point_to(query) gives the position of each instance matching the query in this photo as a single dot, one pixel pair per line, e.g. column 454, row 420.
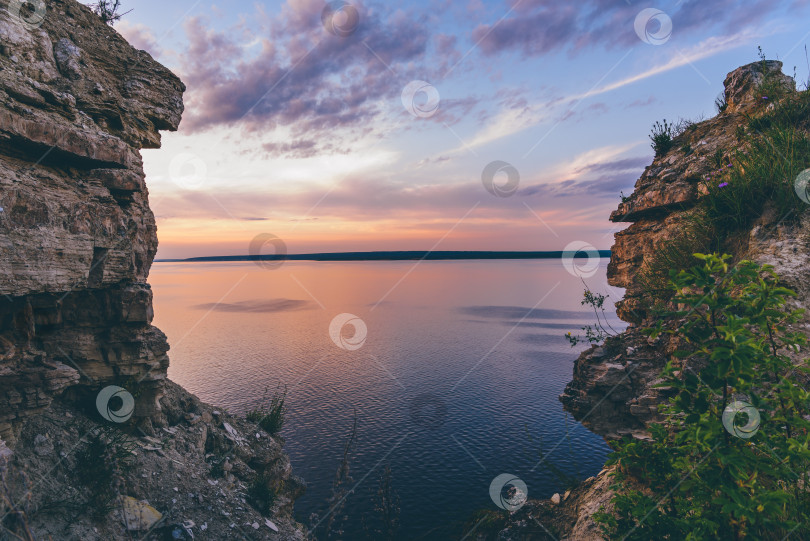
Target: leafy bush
column 270, row 416
column 700, row 481
column 661, row 136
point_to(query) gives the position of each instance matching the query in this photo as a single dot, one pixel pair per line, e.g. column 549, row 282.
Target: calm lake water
column 456, row 383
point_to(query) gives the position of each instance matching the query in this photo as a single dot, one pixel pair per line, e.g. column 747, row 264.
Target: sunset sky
column 303, row 133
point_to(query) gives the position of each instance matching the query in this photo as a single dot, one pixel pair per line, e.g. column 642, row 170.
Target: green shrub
column 695, row 479
column 270, row 415
column 661, row 138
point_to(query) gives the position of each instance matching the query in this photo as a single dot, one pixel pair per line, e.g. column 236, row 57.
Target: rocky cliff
column 77, row 239
column 612, row 390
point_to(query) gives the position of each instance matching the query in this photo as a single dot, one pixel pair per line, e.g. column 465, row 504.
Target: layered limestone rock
column 613, row 390
column 77, row 237
column 671, row 184
column 613, row 387
column 77, row 240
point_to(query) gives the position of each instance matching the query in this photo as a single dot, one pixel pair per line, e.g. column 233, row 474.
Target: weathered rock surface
column 613, row 390
column 77, row 240
column 77, row 237
column 189, row 470
column 568, row 517
column 613, row 393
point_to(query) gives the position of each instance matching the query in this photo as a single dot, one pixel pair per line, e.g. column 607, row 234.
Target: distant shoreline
column 383, row 256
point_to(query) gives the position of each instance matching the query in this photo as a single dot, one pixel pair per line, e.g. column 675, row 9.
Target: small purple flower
column 729, row 165
column 764, row 97
column 722, row 185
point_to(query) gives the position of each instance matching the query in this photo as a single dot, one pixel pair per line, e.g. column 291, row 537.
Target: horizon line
column 390, row 255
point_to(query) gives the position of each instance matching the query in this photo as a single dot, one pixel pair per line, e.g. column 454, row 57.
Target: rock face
column 77, row 237
column 77, row 240
column 612, row 390
column 199, row 470
column 670, row 185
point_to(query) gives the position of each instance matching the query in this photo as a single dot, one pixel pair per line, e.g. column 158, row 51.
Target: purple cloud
column 305, row 78
column 537, row 27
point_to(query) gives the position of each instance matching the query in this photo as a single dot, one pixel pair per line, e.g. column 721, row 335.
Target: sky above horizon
column 470, row 125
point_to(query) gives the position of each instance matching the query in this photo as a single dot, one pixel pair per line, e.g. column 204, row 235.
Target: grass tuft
column 270, row 415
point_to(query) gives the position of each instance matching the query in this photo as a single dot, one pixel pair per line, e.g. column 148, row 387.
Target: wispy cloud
column 258, row 306
column 511, row 121
column 709, row 47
